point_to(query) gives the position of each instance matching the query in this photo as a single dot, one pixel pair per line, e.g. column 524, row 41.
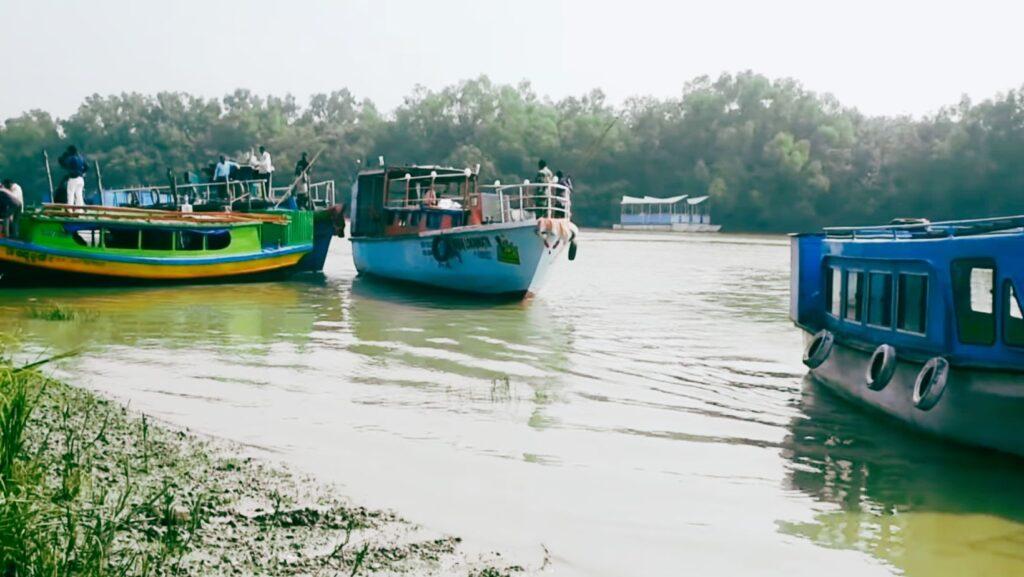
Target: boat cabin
column 951, row 289
column 139, row 232
column 650, row 210
column 411, row 200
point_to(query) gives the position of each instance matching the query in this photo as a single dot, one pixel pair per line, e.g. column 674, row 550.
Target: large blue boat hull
column 980, row 407
column 487, row 259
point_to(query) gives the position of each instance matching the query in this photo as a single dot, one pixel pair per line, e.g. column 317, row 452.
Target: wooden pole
column 99, row 179
column 49, row 175
column 295, row 182
column 174, row 185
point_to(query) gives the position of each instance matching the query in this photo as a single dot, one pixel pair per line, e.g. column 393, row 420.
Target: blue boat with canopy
column 919, row 320
column 437, row 226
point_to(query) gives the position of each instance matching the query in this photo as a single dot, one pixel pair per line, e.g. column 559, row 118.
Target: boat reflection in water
column 433, row 341
column 923, row 506
column 206, row 318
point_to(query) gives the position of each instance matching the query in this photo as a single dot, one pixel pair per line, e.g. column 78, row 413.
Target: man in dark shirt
column 74, row 164
column 302, row 187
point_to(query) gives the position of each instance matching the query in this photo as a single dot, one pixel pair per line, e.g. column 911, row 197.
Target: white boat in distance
column 681, row 213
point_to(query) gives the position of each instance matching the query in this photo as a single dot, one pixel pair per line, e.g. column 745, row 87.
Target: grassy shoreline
column 89, row 488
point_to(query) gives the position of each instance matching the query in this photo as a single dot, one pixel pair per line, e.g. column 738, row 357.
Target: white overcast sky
column 884, row 57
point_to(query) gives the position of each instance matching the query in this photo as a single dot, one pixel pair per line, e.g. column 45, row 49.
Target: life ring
column 442, row 249
column 818, row 349
column 881, row 367
column 931, row 383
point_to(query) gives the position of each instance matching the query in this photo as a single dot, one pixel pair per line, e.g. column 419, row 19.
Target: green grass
column 56, row 517
column 59, row 312
column 87, row 489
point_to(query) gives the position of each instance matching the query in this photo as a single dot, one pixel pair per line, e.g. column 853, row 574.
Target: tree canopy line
column 773, row 155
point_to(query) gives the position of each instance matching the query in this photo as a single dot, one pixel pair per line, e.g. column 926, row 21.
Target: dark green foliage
column 773, row 155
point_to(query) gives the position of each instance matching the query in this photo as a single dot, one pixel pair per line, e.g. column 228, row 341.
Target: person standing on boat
column 302, row 187
column 562, row 196
column 264, row 168
column 74, row 164
column 544, row 176
column 222, row 172
column 12, row 202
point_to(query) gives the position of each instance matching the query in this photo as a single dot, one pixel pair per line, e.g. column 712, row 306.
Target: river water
column 646, row 414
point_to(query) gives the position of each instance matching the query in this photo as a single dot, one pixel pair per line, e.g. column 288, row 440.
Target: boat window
column 1013, row 320
column 912, row 303
column 854, row 296
column 87, row 237
column 218, row 240
column 834, row 291
column 189, row 240
column 433, row 220
column 880, row 299
column 155, row 239
column 974, row 301
column 121, row 238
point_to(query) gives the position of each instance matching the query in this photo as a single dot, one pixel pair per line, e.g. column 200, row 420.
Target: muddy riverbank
column 96, row 488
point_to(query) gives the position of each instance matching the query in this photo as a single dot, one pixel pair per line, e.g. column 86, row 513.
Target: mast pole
column 99, row 179
column 49, row 175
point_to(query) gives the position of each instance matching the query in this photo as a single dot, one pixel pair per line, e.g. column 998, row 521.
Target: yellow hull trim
column 31, row 258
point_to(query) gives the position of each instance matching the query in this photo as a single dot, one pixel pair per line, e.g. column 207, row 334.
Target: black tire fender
column 819, row 348
column 881, row 367
column 931, row 383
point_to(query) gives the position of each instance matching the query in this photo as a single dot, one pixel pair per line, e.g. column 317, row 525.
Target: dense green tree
column 773, row 155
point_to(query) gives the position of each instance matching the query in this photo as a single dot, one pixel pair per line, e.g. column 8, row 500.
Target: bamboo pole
column 99, row 179
column 299, row 177
column 49, row 175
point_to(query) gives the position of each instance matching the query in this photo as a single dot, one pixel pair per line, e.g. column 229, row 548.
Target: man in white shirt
column 264, row 167
column 222, row 172
column 12, row 202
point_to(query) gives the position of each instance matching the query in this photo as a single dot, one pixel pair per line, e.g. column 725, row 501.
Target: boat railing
column 322, row 194
column 926, row 229
column 526, row 201
column 197, row 193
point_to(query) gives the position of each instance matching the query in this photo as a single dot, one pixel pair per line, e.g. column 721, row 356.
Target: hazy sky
column 885, row 57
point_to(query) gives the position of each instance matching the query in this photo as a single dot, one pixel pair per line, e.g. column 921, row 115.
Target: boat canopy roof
column 419, row 171
column 696, row 200
column 922, row 228
column 653, row 199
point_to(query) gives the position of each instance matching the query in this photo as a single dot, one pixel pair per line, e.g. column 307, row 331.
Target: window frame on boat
column 962, row 307
column 871, row 274
column 861, row 275
column 1011, row 295
column 176, row 243
column 899, row 301
column 834, row 300
column 867, row 271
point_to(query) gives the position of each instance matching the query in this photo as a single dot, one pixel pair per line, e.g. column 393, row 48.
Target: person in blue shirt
column 75, row 166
